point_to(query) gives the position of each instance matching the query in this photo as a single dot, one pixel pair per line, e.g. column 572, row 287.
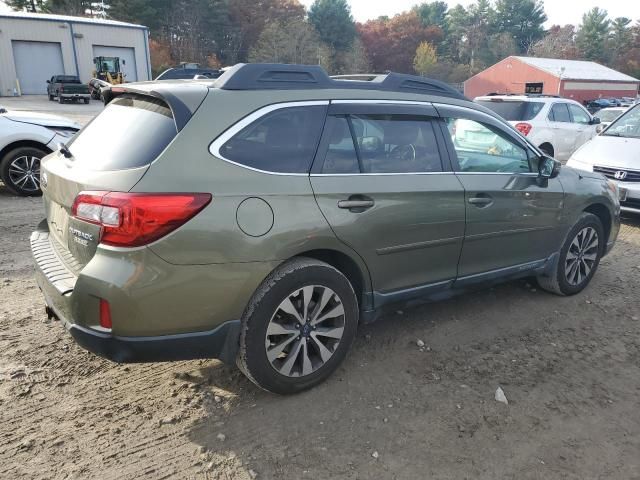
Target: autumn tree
column 333, row 21
column 559, row 42
column 292, row 42
column 426, row 58
column 391, row 43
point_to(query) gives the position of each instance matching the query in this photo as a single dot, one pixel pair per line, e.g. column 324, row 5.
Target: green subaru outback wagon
column 260, row 217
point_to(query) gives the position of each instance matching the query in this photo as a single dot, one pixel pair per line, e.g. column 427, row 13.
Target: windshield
column 627, row 125
column 130, row 132
column 609, row 115
column 513, row 111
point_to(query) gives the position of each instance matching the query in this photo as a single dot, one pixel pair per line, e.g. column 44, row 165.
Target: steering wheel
column 403, row 153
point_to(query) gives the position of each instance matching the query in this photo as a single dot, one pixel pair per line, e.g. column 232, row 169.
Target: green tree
column 426, row 58
column 28, row 5
column 593, row 35
column 434, row 13
column 621, row 35
column 522, row 19
column 333, row 21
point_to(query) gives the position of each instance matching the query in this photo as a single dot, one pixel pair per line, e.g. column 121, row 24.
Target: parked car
column 595, row 105
column 615, row 153
column 267, row 234
column 608, row 115
column 67, row 87
column 557, row 126
column 25, row 138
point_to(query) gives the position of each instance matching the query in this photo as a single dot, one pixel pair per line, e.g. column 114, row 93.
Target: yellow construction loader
column 106, row 72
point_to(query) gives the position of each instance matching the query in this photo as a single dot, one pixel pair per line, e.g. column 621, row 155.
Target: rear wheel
column 86, row 101
column 20, row 170
column 60, row 99
column 298, row 326
column 51, row 98
column 579, row 258
column 547, row 148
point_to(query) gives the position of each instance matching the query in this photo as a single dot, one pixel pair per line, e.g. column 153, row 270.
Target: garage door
column 36, row 62
column 128, row 66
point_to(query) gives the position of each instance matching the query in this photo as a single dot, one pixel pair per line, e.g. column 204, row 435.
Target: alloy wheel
column 24, row 173
column 581, row 256
column 305, row 331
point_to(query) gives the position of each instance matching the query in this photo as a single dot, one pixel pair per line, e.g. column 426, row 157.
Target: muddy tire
column 298, row 327
column 579, row 258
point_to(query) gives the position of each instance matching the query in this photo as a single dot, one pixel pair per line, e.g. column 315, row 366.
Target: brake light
column 524, row 128
column 136, row 219
column 61, row 88
column 105, row 314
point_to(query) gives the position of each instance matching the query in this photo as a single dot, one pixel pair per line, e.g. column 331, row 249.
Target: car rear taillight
column 105, row 314
column 524, row 128
column 61, row 88
column 136, row 219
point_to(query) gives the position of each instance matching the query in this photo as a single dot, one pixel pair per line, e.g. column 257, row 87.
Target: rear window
column 68, row 79
column 513, row 111
column 130, row 132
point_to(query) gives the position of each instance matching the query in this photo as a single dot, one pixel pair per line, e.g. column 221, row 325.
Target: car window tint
column 579, row 115
column 513, row 111
column 396, row 144
column 482, row 148
column 341, row 154
column 560, row 113
column 283, row 141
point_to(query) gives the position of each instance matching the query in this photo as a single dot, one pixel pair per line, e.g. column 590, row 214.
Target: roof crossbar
column 273, row 76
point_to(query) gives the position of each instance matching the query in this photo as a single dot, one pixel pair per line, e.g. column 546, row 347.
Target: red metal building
column 574, row 79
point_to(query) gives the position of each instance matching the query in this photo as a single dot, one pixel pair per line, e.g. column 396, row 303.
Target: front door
column 512, row 218
column 382, row 185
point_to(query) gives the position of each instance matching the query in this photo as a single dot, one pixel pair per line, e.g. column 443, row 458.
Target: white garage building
column 34, row 47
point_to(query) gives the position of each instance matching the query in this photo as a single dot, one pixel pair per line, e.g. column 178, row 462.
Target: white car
column 558, row 126
column 615, row 153
column 26, row 137
column 608, row 115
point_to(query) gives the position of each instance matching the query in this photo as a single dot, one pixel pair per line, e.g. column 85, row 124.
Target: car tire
column 286, row 352
column 86, row 101
column 60, row 99
column 579, row 258
column 547, row 149
column 51, row 97
column 11, row 165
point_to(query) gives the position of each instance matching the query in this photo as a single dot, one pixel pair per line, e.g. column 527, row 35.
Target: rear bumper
column 74, row 95
column 221, row 343
column 155, row 318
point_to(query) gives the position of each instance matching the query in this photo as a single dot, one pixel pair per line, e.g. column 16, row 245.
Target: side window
column 396, row 144
column 579, row 115
column 560, row 113
column 341, row 154
column 482, row 148
column 282, row 141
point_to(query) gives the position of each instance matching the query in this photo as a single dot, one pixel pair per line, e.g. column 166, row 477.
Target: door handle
column 481, row 201
column 356, row 203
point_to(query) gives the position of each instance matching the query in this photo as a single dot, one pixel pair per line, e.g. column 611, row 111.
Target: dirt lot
column 570, row 368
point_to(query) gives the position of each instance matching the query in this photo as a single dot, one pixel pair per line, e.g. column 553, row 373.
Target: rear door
column 381, row 182
column 111, row 153
column 564, row 131
column 512, row 220
column 581, row 120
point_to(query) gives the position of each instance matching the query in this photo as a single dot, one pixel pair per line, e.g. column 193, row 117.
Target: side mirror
column 548, row 167
column 48, row 81
column 596, row 121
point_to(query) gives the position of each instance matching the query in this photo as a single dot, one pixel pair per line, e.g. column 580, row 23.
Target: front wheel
column 20, row 170
column 298, row 327
column 579, row 257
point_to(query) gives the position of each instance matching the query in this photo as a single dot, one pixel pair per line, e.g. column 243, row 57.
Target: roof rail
column 273, row 76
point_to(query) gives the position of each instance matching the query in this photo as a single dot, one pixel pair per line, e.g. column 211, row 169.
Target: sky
column 559, row 11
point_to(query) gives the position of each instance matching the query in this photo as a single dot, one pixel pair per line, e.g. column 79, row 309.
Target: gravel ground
column 569, row 367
